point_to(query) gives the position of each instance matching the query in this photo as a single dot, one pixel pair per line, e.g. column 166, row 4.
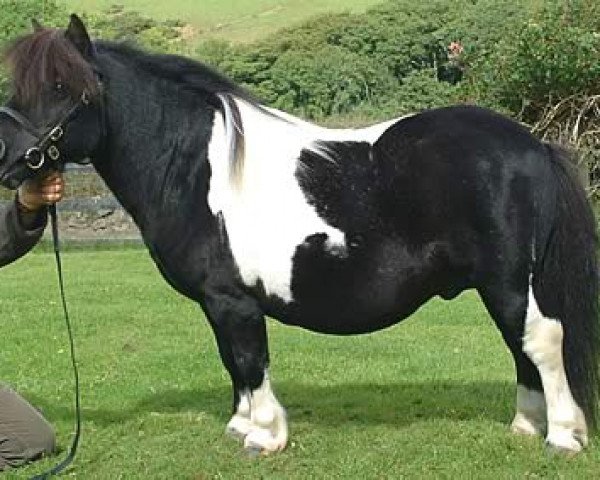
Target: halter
column 35, row 156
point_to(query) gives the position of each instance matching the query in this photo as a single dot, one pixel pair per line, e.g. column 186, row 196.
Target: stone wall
column 89, row 212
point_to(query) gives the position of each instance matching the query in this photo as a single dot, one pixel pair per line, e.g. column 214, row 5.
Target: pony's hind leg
column 508, row 311
column 543, row 343
column 258, row 418
column 545, row 404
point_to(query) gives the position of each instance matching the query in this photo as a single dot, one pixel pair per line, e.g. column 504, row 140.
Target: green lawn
column 430, row 398
column 236, row 20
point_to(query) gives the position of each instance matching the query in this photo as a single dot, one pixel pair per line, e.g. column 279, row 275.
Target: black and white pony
column 252, row 212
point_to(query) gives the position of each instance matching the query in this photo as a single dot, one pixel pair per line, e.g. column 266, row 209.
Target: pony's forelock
column 43, row 58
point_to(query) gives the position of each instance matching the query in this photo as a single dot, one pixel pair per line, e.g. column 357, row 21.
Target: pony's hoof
column 560, row 451
column 253, row 451
column 524, row 430
column 263, row 440
column 527, row 427
column 238, row 427
column 564, row 443
column 235, row 434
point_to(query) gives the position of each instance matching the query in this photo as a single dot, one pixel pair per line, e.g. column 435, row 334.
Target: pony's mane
column 45, row 56
column 193, row 75
column 183, row 71
column 39, row 60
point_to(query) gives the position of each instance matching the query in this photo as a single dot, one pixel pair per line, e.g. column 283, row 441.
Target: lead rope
column 69, row 458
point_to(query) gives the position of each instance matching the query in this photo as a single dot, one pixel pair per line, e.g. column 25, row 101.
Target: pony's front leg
column 258, row 418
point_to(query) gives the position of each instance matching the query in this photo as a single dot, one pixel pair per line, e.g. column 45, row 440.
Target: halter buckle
column 35, row 158
column 56, row 133
column 53, row 152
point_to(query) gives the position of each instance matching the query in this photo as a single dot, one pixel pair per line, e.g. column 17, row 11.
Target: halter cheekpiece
column 46, row 145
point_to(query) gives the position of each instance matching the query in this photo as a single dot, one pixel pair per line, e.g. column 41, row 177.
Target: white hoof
column 263, row 441
column 259, row 421
column 566, row 440
column 521, row 425
column 238, row 427
column 530, row 417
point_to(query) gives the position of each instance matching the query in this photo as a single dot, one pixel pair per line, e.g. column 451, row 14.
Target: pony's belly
column 364, row 289
column 350, row 312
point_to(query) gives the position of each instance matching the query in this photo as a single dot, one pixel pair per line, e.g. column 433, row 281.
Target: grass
column 235, row 20
column 430, row 398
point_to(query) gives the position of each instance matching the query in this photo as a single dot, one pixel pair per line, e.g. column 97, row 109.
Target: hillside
column 235, row 20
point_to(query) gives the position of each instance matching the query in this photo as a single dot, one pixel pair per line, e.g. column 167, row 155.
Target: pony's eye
column 58, row 87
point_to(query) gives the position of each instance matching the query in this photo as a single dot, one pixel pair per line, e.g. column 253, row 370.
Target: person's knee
column 24, row 433
column 17, row 449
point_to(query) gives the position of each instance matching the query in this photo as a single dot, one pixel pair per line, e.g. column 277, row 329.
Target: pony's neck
column 154, row 158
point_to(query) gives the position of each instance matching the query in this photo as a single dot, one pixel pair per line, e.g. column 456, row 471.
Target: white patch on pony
column 530, row 417
column 240, row 424
column 260, row 420
column 267, row 215
column 543, row 342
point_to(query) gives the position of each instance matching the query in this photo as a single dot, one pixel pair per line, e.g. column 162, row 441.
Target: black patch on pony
column 345, row 179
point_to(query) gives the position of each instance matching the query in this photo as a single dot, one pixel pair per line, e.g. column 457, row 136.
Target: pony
column 249, row 211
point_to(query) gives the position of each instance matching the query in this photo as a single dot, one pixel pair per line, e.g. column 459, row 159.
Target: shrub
column 16, row 20
column 115, row 23
column 324, row 82
column 334, row 64
column 552, row 56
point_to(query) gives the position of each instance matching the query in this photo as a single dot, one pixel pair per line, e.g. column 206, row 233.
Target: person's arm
column 23, row 221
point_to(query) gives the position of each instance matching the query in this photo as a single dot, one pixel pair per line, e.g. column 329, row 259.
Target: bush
column 115, row 23
column 16, row 20
column 421, row 90
column 334, row 64
column 553, row 55
column 324, row 82
column 17, row 14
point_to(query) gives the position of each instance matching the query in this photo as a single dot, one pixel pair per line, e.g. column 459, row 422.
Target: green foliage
column 17, row 15
column 335, row 64
column 421, row 89
column 552, row 55
column 325, row 81
column 482, row 24
column 15, row 20
column 116, row 23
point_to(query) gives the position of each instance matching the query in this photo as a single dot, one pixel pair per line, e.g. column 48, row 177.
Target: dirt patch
column 188, row 33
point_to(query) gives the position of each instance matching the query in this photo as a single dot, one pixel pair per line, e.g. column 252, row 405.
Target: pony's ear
column 77, row 34
column 37, row 26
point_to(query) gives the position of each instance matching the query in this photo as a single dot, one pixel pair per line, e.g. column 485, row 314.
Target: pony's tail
column 566, row 279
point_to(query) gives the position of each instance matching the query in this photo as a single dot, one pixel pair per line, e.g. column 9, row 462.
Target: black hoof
column 253, row 451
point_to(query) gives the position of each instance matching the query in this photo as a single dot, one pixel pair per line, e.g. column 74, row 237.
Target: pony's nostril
column 2, row 149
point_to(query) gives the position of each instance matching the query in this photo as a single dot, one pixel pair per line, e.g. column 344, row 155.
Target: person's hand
column 34, row 193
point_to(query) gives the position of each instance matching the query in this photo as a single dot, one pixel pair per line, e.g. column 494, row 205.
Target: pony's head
column 54, row 114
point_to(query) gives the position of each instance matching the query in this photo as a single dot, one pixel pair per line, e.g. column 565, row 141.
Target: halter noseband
column 35, row 156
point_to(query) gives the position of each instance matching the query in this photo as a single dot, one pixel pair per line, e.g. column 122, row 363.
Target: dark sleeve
column 19, row 231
